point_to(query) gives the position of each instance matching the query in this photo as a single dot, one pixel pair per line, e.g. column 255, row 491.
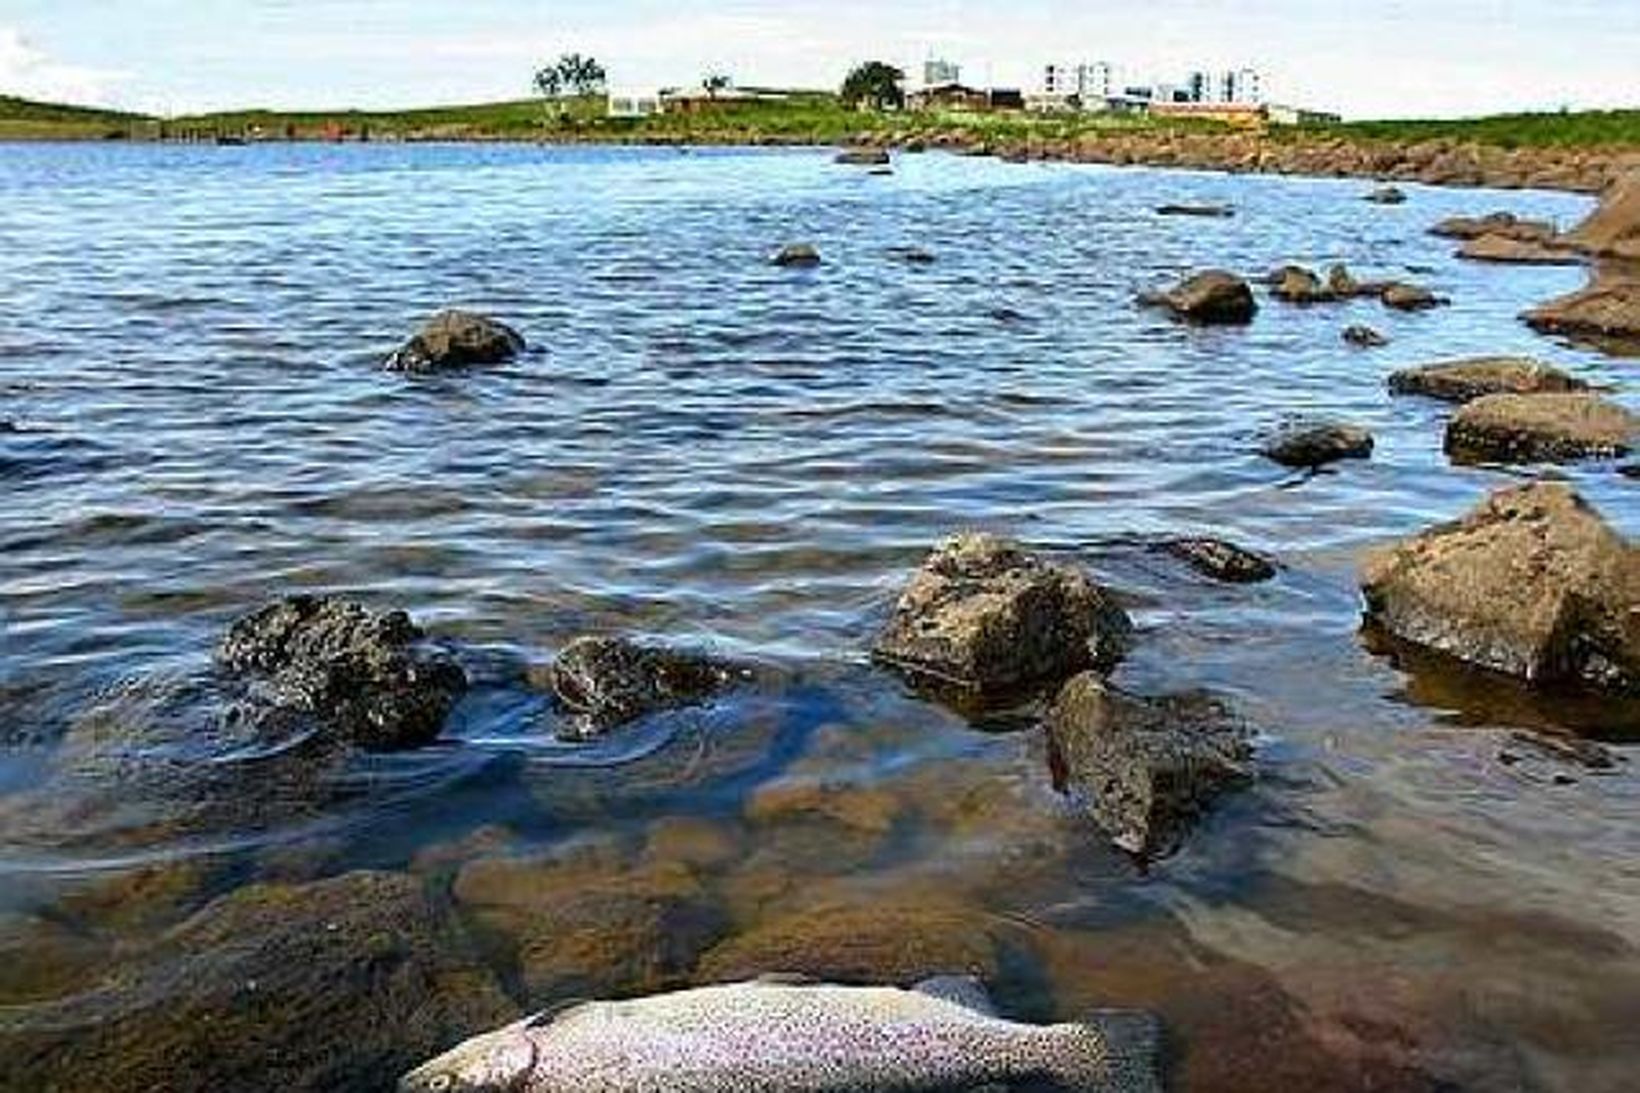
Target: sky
column 1387, row 58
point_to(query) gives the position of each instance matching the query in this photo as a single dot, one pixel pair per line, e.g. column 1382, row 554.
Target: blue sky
column 1385, row 58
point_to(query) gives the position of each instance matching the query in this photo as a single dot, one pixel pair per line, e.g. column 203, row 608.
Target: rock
column 1521, row 252
column 1630, row 470
column 1608, row 308
column 1145, row 768
column 1613, row 229
column 1213, row 297
column 1342, row 284
column 1405, row 297
column 1218, row 211
column 1386, row 195
column 365, row 675
column 985, row 615
column 607, row 682
column 915, row 256
column 1312, row 444
column 456, row 339
column 1364, row 337
column 1532, row 583
column 1221, row 560
column 1502, row 224
column 1587, row 754
column 338, row 984
column 796, row 255
column 862, row 157
column 880, row 172
column 1300, row 286
column 1463, row 380
column 1510, row 428
column 589, row 925
column 881, row 941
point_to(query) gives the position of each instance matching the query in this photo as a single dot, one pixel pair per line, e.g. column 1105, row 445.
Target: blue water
column 708, row 450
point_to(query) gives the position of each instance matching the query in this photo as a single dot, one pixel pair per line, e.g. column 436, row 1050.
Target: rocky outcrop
column 1364, row 337
column 338, row 984
column 456, row 339
column 1503, row 225
column 1213, row 297
column 1387, row 195
column 1210, row 211
column 1464, row 380
column 1406, row 297
column 1520, row 252
column 1145, row 769
column 1221, row 560
column 1315, row 443
column 1557, row 428
column 985, row 615
column 1533, row 584
column 366, row 676
column 796, row 255
column 1613, row 229
column 607, row 681
column 1606, row 310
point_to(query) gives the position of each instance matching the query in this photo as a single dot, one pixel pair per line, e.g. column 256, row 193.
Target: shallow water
column 714, row 452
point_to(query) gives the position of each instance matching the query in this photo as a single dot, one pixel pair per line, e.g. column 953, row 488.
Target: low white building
column 635, row 104
column 1086, row 85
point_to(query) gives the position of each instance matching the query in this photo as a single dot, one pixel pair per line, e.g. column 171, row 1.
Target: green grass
column 25, row 119
column 1584, row 129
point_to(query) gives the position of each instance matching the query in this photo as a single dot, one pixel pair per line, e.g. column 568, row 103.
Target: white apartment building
column 1090, row 83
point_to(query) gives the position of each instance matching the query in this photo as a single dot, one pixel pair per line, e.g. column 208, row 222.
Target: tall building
column 938, row 71
column 1091, row 82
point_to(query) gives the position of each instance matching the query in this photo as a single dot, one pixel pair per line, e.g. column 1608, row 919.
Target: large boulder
column 608, row 681
column 1463, row 380
column 1613, row 229
column 367, row 676
column 1512, row 428
column 1305, row 444
column 1144, row 768
column 1213, row 297
column 339, row 984
column 1532, row 583
column 1503, row 225
column 1606, row 309
column 456, row 339
column 988, row 616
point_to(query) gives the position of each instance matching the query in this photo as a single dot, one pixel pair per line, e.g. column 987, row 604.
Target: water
column 707, row 450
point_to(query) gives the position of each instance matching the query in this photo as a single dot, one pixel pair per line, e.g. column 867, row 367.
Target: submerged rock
column 1387, row 195
column 365, row 675
column 862, row 157
column 1221, row 560
column 986, row 615
column 1532, row 583
column 1315, row 443
column 1405, row 297
column 798, row 255
column 456, row 339
column 608, row 681
column 1211, row 211
column 331, row 985
column 1463, row 380
column 1503, row 225
column 1213, row 297
column 1145, row 768
column 1510, row 428
column 1521, row 252
column 915, row 256
column 1364, row 337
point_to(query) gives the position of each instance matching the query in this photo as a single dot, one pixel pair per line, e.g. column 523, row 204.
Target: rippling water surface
column 707, row 450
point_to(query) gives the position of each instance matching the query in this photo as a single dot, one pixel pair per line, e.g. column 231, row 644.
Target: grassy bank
column 811, row 116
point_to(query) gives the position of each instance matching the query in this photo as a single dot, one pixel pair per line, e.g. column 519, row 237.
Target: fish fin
column 964, row 990
column 786, row 979
column 1132, row 1050
column 543, row 1018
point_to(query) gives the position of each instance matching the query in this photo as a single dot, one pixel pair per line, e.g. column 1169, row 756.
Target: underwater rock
column 1210, row 211
column 1472, row 378
column 1145, row 768
column 608, row 681
column 1221, row 560
column 1547, row 428
column 1532, row 583
column 364, row 674
column 456, row 339
column 984, row 614
column 1213, row 297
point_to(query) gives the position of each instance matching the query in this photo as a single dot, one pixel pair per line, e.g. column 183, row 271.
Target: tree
column 571, row 74
column 714, row 82
column 874, row 84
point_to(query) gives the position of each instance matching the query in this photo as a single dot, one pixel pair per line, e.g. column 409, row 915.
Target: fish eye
column 440, row 1083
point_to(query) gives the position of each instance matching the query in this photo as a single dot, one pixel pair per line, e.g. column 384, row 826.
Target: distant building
column 635, row 104
column 701, row 100
column 938, row 71
column 1084, row 86
column 948, row 96
column 1294, row 115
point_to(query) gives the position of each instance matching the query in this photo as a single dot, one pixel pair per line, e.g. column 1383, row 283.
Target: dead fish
column 781, row 1036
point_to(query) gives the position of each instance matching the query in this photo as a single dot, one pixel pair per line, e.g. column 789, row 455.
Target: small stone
column 456, row 339
column 1312, row 444
column 796, row 255
column 1300, row 286
column 1475, row 377
column 862, row 157
column 608, row 682
column 915, row 256
column 1387, row 195
column 1404, row 297
column 1364, row 337
column 1541, row 428
column 1209, row 211
column 1213, row 297
column 1221, row 560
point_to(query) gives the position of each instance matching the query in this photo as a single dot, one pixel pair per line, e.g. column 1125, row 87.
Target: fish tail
column 1112, row 1051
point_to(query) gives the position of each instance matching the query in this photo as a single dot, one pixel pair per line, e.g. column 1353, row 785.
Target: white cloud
column 28, row 72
